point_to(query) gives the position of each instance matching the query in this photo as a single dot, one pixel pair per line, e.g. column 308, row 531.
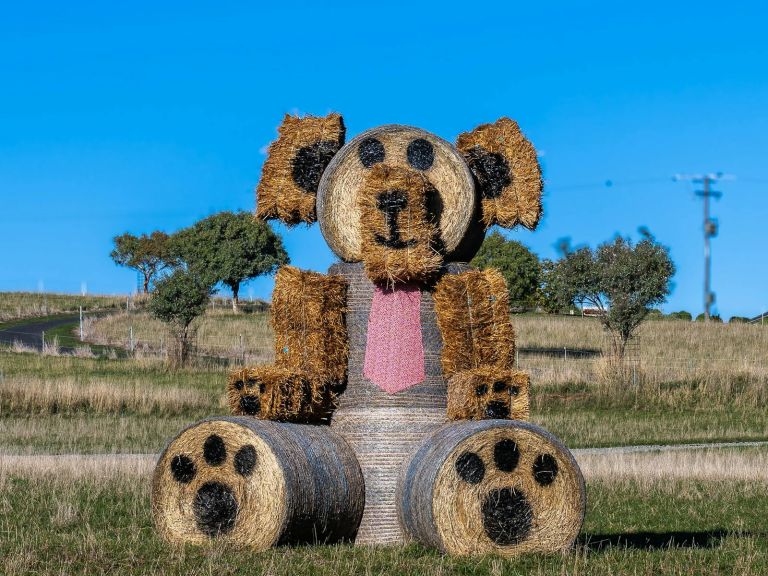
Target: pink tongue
column 394, row 354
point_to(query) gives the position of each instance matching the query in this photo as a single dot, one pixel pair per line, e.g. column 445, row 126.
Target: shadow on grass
column 572, row 353
column 654, row 540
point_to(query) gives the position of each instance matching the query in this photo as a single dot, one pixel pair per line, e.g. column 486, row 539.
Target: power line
column 710, row 226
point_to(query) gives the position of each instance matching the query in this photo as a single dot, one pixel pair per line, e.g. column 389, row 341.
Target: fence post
column 565, row 353
column 81, row 323
column 130, row 341
column 43, row 338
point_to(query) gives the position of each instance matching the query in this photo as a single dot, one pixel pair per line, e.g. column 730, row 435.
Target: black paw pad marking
column 470, row 468
column 183, row 469
column 245, row 460
column 506, row 455
column 545, row 469
column 215, row 508
column 491, row 171
column 420, row 154
column 371, row 152
column 214, row 451
column 310, row 162
column 250, row 405
column 507, row 514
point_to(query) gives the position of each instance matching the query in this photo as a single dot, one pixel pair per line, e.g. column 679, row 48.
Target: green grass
column 88, row 526
column 16, row 305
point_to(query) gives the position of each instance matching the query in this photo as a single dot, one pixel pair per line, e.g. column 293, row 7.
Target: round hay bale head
column 412, row 148
column 492, row 486
column 257, row 484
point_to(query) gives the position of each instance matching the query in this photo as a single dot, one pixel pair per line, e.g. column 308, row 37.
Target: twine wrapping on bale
column 257, row 484
column 492, row 486
column 338, row 208
column 384, row 428
column 294, row 165
column 273, row 393
column 488, row 392
column 507, row 173
column 473, row 315
column 308, row 318
column 398, row 234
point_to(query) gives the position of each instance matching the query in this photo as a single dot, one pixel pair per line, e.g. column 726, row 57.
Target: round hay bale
column 492, row 486
column 383, row 429
column 257, row 484
column 338, row 208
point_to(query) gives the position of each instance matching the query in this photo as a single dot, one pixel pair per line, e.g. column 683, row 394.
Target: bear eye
column 514, row 391
column 262, row 388
column 499, row 386
column 420, row 154
column 370, row 151
column 239, row 385
column 481, row 390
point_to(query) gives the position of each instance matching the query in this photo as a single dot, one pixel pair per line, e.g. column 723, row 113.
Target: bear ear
column 507, row 174
column 294, row 165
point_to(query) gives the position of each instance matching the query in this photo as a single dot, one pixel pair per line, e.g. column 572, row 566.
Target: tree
column 177, row 300
column 149, row 254
column 622, row 280
column 230, row 248
column 519, row 266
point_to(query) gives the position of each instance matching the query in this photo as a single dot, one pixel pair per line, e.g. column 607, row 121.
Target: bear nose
column 391, row 202
column 215, row 509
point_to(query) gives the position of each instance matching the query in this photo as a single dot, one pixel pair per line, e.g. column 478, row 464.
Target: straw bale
column 473, row 316
column 488, row 392
column 339, row 205
column 493, row 486
column 256, row 484
column 295, row 162
column 398, row 234
column 274, row 393
column 308, row 318
column 507, row 173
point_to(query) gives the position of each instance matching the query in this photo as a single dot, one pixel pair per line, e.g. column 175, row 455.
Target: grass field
column 15, row 305
column 95, row 519
column 659, row 513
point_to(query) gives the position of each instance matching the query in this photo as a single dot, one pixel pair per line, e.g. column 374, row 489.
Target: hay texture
column 473, row 316
column 339, row 202
column 488, row 392
column 308, row 318
column 295, row 162
column 257, row 484
column 273, row 393
column 507, row 173
column 493, row 486
column 398, row 234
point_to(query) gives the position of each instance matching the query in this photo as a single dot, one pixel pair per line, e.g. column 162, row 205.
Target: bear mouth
column 497, row 409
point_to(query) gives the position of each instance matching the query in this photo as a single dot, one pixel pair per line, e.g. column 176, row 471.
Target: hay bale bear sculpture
column 405, row 350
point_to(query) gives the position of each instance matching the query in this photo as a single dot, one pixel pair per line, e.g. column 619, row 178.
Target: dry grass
column 32, row 395
column 244, row 337
column 16, row 305
column 717, row 355
column 748, row 464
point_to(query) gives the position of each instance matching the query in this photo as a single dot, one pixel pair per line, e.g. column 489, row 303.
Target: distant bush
column 655, row 314
column 681, row 315
column 738, row 320
column 713, row 318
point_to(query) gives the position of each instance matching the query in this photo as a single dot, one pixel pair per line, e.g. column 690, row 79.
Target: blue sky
column 132, row 117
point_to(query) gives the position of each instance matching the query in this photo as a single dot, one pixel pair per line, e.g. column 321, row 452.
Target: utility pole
column 710, row 227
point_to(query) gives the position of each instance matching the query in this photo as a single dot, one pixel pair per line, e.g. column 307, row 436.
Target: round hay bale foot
column 492, row 486
column 257, row 484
